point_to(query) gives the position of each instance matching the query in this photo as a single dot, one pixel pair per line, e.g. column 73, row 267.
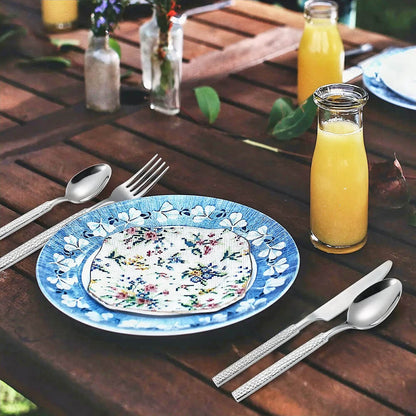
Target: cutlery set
column 135, row 187
column 369, row 301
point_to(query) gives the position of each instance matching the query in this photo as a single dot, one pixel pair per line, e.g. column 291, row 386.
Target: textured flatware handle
column 26, row 218
column 279, row 367
column 35, row 243
column 255, row 355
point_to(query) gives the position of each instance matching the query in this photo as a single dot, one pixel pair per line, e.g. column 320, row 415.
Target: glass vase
column 149, row 35
column 102, row 75
column 165, row 70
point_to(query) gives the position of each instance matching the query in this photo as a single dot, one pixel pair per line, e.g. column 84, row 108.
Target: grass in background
column 13, row 403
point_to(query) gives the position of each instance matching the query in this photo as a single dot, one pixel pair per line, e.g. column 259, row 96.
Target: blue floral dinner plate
column 373, row 81
column 63, row 260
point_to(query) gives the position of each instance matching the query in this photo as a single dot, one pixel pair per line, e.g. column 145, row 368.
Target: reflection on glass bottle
column 149, row 35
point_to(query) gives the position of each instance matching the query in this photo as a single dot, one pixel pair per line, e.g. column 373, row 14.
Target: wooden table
column 47, row 136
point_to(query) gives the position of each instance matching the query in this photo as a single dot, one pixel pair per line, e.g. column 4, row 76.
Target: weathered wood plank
column 243, row 54
column 61, row 124
column 57, row 86
column 23, row 105
column 6, row 123
column 231, row 22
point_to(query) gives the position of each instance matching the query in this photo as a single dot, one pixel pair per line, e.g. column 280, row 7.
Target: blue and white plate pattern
column 62, row 260
column 374, row 83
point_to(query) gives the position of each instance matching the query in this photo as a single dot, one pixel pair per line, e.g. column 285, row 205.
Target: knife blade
column 326, row 312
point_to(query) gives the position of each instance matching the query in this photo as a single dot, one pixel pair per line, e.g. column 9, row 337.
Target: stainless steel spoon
column 84, row 186
column 368, row 309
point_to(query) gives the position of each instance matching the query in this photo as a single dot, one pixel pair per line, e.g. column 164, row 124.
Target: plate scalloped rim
column 373, row 82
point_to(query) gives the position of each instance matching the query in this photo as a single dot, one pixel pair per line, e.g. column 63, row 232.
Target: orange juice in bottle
column 58, row 15
column 339, row 172
column 321, row 51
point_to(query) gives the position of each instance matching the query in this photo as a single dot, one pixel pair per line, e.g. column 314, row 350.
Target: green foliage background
column 391, row 17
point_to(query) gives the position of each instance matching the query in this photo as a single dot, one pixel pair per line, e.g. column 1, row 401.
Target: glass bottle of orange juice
column 321, row 51
column 339, row 172
column 59, row 15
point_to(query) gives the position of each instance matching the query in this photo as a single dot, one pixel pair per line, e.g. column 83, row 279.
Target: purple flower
column 100, row 21
column 101, row 8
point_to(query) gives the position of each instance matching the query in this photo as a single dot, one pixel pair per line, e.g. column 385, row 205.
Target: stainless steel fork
column 136, row 186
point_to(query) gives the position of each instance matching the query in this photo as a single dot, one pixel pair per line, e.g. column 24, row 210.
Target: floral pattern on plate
column 171, row 270
column 64, row 264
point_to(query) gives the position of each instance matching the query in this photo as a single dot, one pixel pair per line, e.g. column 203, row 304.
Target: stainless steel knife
column 326, row 312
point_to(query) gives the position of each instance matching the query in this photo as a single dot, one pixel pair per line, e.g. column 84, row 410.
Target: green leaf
column 115, row 46
column 297, row 122
column 55, row 62
column 64, row 43
column 16, row 31
column 208, row 102
column 282, row 107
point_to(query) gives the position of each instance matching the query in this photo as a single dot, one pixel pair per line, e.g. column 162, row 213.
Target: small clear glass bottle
column 59, row 15
column 166, row 79
column 321, row 51
column 339, row 172
column 102, row 75
column 149, row 35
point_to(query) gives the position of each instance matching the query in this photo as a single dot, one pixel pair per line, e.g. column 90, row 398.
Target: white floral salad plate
column 167, row 265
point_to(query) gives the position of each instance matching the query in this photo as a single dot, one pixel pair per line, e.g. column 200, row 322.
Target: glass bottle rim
column 340, row 97
column 321, row 9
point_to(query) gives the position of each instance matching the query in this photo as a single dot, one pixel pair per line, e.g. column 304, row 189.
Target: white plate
column 373, row 82
column 398, row 72
column 62, row 260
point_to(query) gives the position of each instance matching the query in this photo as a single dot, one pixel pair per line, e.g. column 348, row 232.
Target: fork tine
column 129, row 181
column 140, row 184
column 145, row 176
column 141, row 179
column 152, row 184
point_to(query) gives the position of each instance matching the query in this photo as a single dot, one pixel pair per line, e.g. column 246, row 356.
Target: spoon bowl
column 88, row 183
column 374, row 304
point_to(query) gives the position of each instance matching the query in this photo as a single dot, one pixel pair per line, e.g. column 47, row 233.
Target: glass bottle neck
column 341, row 102
column 99, row 42
column 318, row 12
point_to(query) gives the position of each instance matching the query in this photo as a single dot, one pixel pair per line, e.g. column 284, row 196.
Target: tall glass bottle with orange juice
column 321, row 51
column 59, row 15
column 339, row 172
